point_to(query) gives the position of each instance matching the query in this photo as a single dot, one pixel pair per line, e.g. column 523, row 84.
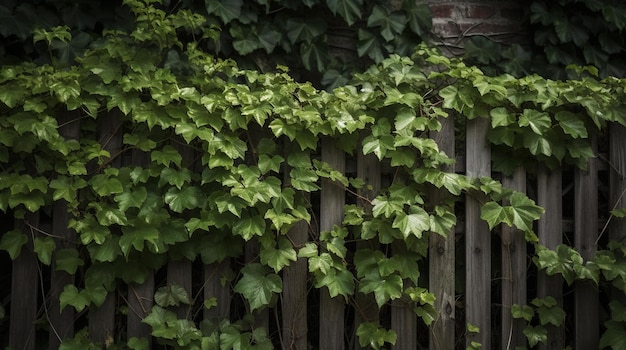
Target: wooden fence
column 492, row 285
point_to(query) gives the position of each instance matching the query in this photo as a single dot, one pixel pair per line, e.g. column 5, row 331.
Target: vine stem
column 606, row 225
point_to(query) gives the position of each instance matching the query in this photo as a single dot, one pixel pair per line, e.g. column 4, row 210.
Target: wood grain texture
column 441, row 256
column 332, row 200
column 24, row 288
column 477, row 238
column 549, row 196
column 514, row 286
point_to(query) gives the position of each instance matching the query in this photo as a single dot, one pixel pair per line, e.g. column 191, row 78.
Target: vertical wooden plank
column 585, row 235
column 62, row 322
column 441, row 258
column 477, row 238
column 617, row 192
column 102, row 319
column 332, row 200
column 179, row 272
column 294, row 303
column 213, row 288
column 617, row 175
column 549, row 196
column 140, row 296
column 369, row 170
column 24, row 287
column 514, row 262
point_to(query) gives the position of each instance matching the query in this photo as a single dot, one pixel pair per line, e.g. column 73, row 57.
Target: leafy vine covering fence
column 198, row 205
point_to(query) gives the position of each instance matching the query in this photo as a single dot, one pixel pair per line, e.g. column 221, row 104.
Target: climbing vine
column 253, row 138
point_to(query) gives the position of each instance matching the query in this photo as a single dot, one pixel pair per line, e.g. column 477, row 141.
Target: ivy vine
column 243, row 185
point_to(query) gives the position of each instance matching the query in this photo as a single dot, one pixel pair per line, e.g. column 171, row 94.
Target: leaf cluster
column 204, row 156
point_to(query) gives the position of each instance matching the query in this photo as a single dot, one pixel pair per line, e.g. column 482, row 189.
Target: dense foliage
column 253, row 139
column 563, row 33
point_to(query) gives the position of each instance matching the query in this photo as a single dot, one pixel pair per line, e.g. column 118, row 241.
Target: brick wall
column 502, row 21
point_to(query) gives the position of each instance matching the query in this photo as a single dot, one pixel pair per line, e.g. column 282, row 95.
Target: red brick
column 480, row 11
column 441, row 10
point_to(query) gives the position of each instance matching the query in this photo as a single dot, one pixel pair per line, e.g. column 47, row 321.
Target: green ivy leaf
column 171, row 295
column 68, row 260
column 384, row 288
column 524, row 312
column 12, row 242
column 572, row 124
column 277, row 259
column 412, row 224
column 304, row 29
column 538, row 121
column 249, row 225
column 338, row 282
column 350, row 10
column 44, row 248
column 71, row 296
column 166, row 156
column 179, row 200
column 227, row 10
column 258, row 285
column 372, row 335
column 615, row 335
column 391, row 23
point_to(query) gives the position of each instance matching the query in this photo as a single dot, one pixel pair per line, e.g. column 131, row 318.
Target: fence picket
column 62, row 322
column 585, row 235
column 102, row 319
column 441, row 257
column 617, row 183
column 550, row 231
column 477, row 238
column 140, row 297
column 514, row 277
column 24, row 287
column 331, row 318
column 294, row 304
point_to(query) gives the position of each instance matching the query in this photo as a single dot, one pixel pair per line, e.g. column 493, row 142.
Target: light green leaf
column 412, row 224
column 277, row 259
column 71, row 296
column 258, row 285
column 384, row 288
column 338, row 282
column 539, row 122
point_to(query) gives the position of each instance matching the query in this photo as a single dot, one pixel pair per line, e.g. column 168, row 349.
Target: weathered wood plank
column 213, row 288
column 179, row 272
column 62, row 322
column 549, row 196
column 617, row 192
column 102, row 319
column 441, row 258
column 477, row 238
column 332, row 200
column 294, row 301
column 585, row 235
column 140, row 296
column 514, row 277
column 24, row 287
column 368, row 168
